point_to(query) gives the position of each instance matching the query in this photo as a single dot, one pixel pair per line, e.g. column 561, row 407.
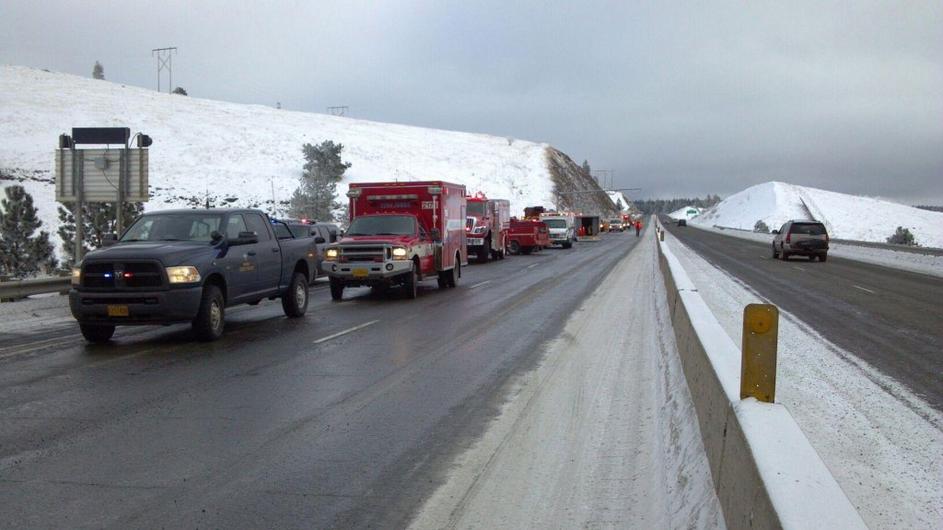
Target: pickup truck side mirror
column 216, row 237
column 318, row 240
column 245, row 238
column 109, row 240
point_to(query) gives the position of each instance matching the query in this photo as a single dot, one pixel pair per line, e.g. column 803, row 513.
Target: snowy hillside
column 846, row 216
column 227, row 150
column 687, row 212
column 617, row 198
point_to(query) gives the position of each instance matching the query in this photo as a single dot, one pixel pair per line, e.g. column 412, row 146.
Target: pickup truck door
column 269, row 255
column 241, row 261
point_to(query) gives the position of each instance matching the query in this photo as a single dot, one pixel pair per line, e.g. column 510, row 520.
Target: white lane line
column 479, row 284
column 532, row 266
column 863, row 289
column 797, row 268
column 346, row 331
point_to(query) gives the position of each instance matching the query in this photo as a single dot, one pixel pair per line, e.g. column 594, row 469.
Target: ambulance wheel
column 337, row 290
column 568, row 244
column 515, row 247
column 411, row 285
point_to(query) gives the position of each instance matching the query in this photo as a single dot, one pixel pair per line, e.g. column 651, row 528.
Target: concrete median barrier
column 765, row 472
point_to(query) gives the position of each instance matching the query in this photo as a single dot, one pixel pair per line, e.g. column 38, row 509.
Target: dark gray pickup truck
column 189, row 266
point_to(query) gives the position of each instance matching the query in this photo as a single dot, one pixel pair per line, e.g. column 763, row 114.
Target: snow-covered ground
column 880, row 442
column 618, row 197
column 898, row 259
column 687, row 212
column 602, row 434
column 849, row 217
column 248, row 152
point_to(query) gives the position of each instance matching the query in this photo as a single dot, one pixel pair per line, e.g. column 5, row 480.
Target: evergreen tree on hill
column 315, row 197
column 100, row 219
column 21, row 253
column 98, row 71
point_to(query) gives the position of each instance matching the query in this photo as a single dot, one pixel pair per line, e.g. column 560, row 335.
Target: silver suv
column 801, row 238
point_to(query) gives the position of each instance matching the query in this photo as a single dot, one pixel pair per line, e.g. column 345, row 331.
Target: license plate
column 475, row 241
column 118, row 311
column 360, row 273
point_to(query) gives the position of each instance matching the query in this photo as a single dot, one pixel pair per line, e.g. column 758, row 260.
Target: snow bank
column 687, row 212
column 850, row 217
column 244, row 152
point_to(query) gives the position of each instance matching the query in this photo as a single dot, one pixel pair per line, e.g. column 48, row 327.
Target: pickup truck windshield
column 383, row 225
column 555, row 223
column 173, row 227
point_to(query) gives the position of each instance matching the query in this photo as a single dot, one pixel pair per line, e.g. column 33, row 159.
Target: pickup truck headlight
column 331, row 254
column 399, row 253
column 185, row 274
column 76, row 275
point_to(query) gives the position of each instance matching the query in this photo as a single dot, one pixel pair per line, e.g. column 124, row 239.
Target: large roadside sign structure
column 102, row 174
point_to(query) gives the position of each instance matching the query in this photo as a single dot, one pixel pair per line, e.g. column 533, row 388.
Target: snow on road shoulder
column 903, row 260
column 881, row 442
column 601, row 434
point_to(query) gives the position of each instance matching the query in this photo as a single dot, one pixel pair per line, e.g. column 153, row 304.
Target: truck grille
column 371, row 253
column 123, row 275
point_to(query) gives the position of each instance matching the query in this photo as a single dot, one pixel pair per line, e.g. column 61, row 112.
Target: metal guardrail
column 22, row 288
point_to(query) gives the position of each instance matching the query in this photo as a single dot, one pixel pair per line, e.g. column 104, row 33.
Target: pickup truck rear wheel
column 211, row 318
column 97, row 334
column 337, row 290
column 295, row 299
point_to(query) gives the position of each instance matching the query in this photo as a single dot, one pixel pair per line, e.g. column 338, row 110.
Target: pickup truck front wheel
column 211, row 318
column 97, row 334
column 295, row 299
column 337, row 290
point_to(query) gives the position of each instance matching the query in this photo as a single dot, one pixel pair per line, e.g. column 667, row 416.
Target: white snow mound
column 687, row 212
column 845, row 216
column 239, row 151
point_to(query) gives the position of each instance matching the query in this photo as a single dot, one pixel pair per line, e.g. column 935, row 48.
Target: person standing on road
column 638, row 228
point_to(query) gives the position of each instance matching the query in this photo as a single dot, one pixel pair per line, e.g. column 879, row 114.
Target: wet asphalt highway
column 346, row 418
column 892, row 319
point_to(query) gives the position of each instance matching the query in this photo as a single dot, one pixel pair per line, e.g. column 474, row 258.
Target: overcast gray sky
column 676, row 98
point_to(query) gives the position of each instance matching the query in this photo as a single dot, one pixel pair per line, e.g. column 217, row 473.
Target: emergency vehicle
column 562, row 228
column 588, row 228
column 486, row 227
column 400, row 233
column 528, row 235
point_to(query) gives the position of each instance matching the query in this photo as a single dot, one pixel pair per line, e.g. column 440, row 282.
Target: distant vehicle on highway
column 615, row 225
column 801, row 238
column 189, row 266
column 682, row 222
column 323, row 233
column 400, row 233
column 562, row 228
column 528, row 236
column 486, row 227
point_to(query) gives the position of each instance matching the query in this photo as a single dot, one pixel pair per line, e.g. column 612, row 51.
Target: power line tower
column 339, row 110
column 165, row 59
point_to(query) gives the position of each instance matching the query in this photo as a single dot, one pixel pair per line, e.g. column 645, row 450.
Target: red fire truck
column 486, row 229
column 400, row 233
column 528, row 236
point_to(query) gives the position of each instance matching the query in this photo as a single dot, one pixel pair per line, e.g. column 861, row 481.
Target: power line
column 165, row 59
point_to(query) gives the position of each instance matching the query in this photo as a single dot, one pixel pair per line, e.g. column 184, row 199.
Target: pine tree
column 21, row 254
column 180, row 91
column 99, row 219
column 619, row 205
column 315, row 198
column 98, row 71
column 586, row 168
